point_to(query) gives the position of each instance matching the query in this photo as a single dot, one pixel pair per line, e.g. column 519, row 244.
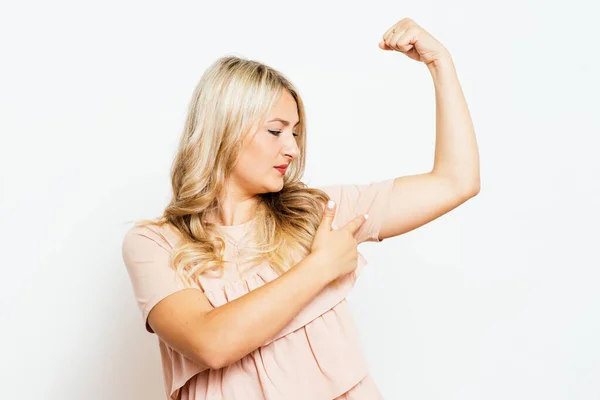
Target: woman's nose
column 291, row 149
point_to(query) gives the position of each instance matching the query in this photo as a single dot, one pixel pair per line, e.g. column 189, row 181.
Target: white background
column 497, row 299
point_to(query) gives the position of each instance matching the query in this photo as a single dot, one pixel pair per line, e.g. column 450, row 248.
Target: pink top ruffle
column 317, row 355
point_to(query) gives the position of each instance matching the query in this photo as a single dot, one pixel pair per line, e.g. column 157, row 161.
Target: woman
column 244, row 277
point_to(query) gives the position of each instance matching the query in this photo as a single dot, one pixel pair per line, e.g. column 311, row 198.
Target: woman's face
column 274, row 144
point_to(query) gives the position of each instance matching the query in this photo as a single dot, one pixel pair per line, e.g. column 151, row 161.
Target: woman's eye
column 276, row 133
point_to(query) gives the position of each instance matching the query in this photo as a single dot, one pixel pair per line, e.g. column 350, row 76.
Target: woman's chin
column 277, row 186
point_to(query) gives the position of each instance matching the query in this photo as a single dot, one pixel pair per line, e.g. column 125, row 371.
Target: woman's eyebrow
column 286, row 123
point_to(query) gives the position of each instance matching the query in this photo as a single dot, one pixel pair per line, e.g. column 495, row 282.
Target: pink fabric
column 317, row 355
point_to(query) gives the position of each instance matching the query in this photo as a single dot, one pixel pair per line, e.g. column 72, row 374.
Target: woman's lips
column 281, row 170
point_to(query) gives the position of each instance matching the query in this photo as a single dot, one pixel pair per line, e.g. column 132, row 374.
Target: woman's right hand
column 336, row 250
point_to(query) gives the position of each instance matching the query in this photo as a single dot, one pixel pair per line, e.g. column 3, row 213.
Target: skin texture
column 421, row 198
column 254, row 172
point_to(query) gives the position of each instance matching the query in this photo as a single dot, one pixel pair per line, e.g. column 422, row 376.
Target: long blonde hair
column 232, row 98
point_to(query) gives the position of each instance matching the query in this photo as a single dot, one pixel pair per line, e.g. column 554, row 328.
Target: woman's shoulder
column 164, row 234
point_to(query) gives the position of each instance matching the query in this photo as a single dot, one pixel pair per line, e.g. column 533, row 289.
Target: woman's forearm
column 456, row 153
column 241, row 326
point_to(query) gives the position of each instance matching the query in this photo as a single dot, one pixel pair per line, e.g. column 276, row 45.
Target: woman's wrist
column 318, row 268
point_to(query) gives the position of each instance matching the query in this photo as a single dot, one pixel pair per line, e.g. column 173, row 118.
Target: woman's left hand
column 409, row 38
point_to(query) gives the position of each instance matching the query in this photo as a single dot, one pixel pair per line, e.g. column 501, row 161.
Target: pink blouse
column 317, row 356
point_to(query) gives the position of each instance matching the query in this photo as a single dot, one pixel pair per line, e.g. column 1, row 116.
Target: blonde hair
column 232, row 98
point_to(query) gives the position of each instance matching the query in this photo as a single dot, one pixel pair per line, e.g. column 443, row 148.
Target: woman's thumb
column 328, row 214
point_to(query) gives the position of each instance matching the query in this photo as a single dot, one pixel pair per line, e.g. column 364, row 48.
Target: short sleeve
column 353, row 200
column 147, row 258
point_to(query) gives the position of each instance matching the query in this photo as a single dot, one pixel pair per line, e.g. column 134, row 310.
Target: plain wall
column 497, row 299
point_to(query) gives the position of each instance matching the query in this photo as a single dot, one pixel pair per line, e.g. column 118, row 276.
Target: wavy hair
column 232, row 99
